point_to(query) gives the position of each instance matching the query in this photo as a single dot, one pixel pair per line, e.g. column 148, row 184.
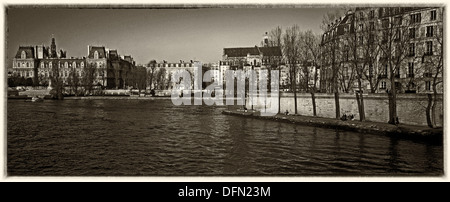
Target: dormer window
column 23, row 55
column 96, row 55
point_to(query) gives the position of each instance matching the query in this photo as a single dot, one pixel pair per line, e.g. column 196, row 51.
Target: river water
column 156, row 138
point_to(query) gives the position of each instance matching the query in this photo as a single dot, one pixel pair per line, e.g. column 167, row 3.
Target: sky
column 146, row 34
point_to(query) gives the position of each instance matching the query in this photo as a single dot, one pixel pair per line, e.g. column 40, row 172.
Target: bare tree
column 74, row 81
column 433, row 58
column 332, row 56
column 57, row 83
column 395, row 47
column 311, row 44
column 151, row 73
column 275, row 39
column 291, row 41
column 160, row 78
column 88, row 78
column 141, row 78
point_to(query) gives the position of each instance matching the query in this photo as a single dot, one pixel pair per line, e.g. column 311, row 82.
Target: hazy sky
column 160, row 34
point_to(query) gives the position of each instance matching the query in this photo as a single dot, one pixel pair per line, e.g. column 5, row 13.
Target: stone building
column 97, row 58
column 250, row 58
column 25, row 62
column 164, row 70
column 37, row 63
column 414, row 33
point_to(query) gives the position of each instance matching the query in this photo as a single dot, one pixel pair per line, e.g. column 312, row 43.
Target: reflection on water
column 156, row 138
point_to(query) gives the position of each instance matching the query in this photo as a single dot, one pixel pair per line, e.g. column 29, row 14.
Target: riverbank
column 117, row 98
column 401, row 130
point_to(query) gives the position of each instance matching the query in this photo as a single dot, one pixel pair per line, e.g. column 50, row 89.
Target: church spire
column 53, row 48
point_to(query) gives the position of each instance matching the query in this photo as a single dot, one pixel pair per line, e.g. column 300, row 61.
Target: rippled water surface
column 156, row 138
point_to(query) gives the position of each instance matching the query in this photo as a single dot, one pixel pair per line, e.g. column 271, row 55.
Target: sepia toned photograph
column 220, row 90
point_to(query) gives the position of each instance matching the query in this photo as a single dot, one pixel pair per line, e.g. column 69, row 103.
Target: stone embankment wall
column 410, row 107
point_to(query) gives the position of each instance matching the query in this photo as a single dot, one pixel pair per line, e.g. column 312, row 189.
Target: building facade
column 370, row 42
column 39, row 62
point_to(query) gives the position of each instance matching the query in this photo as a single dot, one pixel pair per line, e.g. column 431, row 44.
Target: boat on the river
column 37, row 99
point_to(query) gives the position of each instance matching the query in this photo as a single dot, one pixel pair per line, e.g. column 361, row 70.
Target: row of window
column 174, row 65
column 66, row 64
column 427, row 85
column 410, row 71
column 414, row 18
column 66, row 74
column 26, row 74
column 24, row 64
column 428, row 48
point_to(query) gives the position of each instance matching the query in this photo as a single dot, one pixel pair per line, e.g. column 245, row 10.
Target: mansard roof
column 29, row 52
column 100, row 49
column 243, row 51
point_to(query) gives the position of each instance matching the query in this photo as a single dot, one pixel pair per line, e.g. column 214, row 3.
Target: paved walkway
column 402, row 130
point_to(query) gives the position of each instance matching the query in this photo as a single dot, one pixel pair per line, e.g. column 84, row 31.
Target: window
column 361, row 27
column 415, row 18
column 372, row 26
column 361, row 39
column 74, row 65
column 361, row 16
column 66, row 65
column 385, row 23
column 429, row 48
column 412, row 33
column 82, row 64
column 371, row 14
column 371, row 38
column 383, row 85
column 23, row 55
column 410, row 69
column 42, row 65
column 50, row 64
column 412, row 51
column 96, row 55
column 397, row 73
column 398, row 20
column 429, row 31
column 398, row 34
column 427, row 85
column 433, row 15
column 28, row 64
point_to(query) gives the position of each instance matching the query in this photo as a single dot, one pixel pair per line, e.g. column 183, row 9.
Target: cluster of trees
column 367, row 54
column 301, row 55
column 16, row 80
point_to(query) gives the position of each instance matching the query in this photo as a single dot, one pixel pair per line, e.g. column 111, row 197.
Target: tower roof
column 29, row 52
column 100, row 50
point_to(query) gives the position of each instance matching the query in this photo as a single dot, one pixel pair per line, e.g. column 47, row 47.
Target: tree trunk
column 433, row 106
column 294, row 88
column 279, row 90
column 393, row 119
column 313, row 99
column 338, row 108
column 427, row 112
column 336, row 96
column 360, row 101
